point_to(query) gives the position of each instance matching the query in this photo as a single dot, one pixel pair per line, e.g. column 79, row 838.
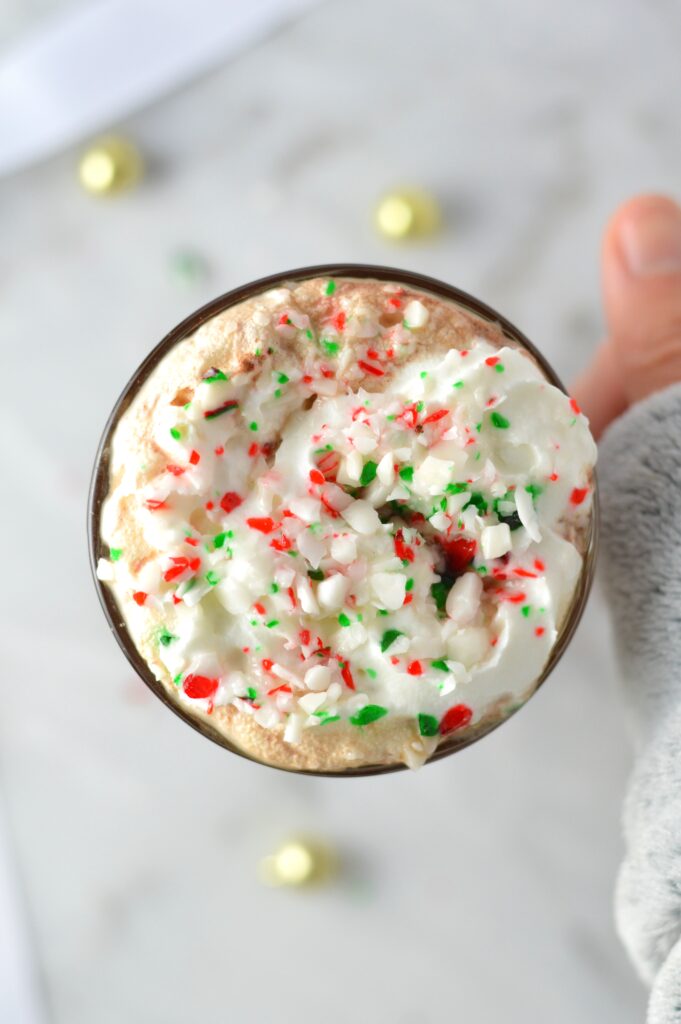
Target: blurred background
column 131, row 850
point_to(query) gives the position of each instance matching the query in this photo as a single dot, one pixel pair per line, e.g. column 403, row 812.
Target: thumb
column 642, row 294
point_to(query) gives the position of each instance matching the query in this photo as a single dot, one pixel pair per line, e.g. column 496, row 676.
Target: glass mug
column 100, row 485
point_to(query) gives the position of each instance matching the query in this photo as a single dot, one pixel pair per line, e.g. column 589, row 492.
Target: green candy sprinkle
column 343, row 619
column 212, row 577
column 534, row 489
column 428, row 725
column 440, row 664
column 439, row 592
column 274, row 587
column 331, row 287
column 382, row 611
column 407, row 474
column 368, row 714
column 272, row 623
column 282, row 378
column 368, row 473
column 499, row 367
column 330, row 347
column 372, row 673
column 479, row 501
column 277, row 392
column 423, row 374
column 457, row 384
column 174, row 432
column 177, row 679
column 251, row 693
column 219, row 540
column 165, row 637
column 525, row 610
column 389, row 637
column 115, row 554
column 253, row 425
column 324, row 717
column 218, row 375
column 409, row 584
column 499, row 421
column 315, row 574
column 456, row 488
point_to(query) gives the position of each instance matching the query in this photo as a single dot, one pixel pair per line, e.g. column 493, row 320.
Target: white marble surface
column 478, row 889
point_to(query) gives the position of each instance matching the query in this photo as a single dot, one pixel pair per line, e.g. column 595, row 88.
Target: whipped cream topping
column 403, row 553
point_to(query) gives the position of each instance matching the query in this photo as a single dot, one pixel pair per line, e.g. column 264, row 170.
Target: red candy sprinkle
column 219, row 450
column 267, row 664
column 460, row 552
column 575, row 407
column 375, row 371
column 139, row 597
column 175, row 470
column 304, row 637
column 415, row 668
column 199, row 687
column 194, row 458
column 284, row 688
column 292, row 597
column 339, row 321
column 553, row 477
column 435, row 416
column 253, row 450
column 578, row 495
column 179, row 566
column 539, row 631
column 316, row 477
column 402, row 550
column 230, row 501
column 264, row 524
column 260, row 608
column 281, row 543
column 155, row 504
column 455, row 718
column 346, row 676
column 491, row 360
column 539, row 565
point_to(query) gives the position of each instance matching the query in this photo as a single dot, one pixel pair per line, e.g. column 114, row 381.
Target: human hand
column 641, row 272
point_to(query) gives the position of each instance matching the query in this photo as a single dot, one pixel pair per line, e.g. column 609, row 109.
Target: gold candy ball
column 109, row 166
column 408, row 213
column 299, row 861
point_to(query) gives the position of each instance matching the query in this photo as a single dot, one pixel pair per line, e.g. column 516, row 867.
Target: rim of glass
column 99, row 486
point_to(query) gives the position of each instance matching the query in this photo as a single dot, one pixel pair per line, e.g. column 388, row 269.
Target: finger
column 599, row 391
column 642, row 293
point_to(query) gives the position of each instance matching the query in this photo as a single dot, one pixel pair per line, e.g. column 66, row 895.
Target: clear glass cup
column 100, row 485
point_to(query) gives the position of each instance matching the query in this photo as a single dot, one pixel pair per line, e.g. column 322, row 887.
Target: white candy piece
column 415, row 314
column 311, row 547
column 353, row 466
column 294, row 729
column 390, row 589
column 495, row 540
column 311, row 702
column 318, row 677
column 362, row 517
column 105, row 570
column 332, row 591
column 344, row 549
column 385, row 471
column 433, row 475
column 463, row 600
column 527, row 513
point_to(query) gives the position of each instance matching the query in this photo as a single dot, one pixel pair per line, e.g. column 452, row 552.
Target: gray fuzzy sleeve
column 640, row 478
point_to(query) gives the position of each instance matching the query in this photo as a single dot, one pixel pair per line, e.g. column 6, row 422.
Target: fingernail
column 651, row 240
